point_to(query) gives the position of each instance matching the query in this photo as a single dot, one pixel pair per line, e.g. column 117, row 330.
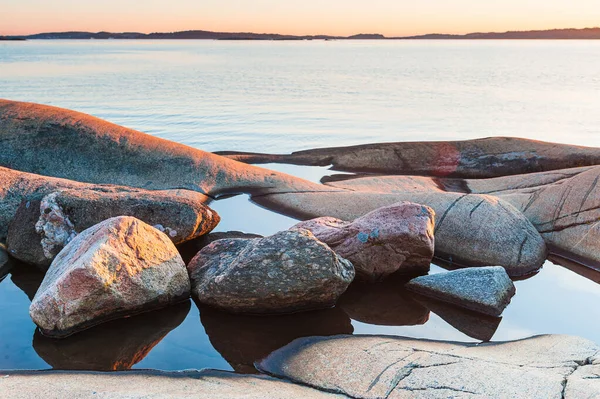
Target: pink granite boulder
column 395, row 238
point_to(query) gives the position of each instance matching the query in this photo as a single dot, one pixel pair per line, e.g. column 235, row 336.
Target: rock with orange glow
column 114, row 269
column 395, row 238
column 481, row 158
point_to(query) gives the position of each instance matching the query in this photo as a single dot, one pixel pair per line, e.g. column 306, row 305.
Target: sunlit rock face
column 395, row 367
column 116, row 268
column 287, row 272
column 397, row 238
column 63, row 143
column 481, row 158
column 41, row 228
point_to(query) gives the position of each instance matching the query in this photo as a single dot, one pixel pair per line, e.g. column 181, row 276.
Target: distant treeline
column 577, row 34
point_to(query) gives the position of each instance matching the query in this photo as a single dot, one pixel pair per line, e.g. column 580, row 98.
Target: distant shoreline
column 552, row 34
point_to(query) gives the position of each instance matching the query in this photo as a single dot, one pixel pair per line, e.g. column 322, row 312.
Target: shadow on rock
column 113, row 346
column 386, row 303
column 189, row 249
column 243, row 340
column 476, row 325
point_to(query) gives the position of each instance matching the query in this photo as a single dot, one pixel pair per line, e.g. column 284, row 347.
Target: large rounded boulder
column 288, row 272
column 114, row 269
column 396, row 238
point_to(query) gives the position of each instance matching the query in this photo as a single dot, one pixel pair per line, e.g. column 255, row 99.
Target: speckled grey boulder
column 117, row 268
column 287, row 272
column 482, row 289
column 395, row 238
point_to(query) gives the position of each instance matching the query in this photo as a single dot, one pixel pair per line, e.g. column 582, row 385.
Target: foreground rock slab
column 482, row 289
column 286, row 272
column 396, row 238
column 42, row 228
column 114, row 269
column 155, row 385
column 394, row 367
column 489, row 157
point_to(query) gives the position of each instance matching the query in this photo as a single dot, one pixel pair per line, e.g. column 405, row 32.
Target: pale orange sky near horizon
column 334, row 17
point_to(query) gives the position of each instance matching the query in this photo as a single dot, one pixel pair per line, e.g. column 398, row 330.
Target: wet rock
column 116, row 345
column 190, row 248
column 58, row 142
column 470, row 230
column 19, row 187
column 385, row 303
column 117, row 268
column 474, row 324
column 486, row 290
column 41, row 228
column 287, row 272
column 396, row 238
column 395, row 367
column 151, row 384
column 488, row 157
column 243, row 339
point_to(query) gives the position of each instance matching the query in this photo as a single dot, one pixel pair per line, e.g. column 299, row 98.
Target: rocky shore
column 118, row 224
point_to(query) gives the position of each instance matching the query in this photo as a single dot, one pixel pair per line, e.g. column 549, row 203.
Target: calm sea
column 286, row 96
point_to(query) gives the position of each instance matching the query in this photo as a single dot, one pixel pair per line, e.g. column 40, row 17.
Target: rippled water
column 285, row 96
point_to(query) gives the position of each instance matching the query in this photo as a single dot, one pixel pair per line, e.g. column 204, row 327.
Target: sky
column 333, row 17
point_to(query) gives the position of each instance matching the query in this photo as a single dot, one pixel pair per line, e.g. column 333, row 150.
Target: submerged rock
column 286, row 272
column 486, row 290
column 243, row 340
column 396, row 238
column 116, row 345
column 373, row 367
column 41, row 228
column 488, row 157
column 470, row 230
column 117, row 268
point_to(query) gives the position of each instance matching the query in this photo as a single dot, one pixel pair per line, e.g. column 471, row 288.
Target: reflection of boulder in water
column 116, row 345
column 243, row 339
column 27, row 277
column 386, row 303
column 5, row 263
column 189, row 249
column 476, row 325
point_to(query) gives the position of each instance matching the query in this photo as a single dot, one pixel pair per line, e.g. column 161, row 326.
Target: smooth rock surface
column 396, row 238
column 62, row 143
column 471, row 230
column 482, row 289
column 19, row 187
column 395, row 367
column 151, row 385
column 488, row 157
column 190, row 248
column 117, row 268
column 286, row 272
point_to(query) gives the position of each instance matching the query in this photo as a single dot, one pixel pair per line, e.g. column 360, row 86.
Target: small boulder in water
column 481, row 289
column 114, row 269
column 288, row 272
column 395, row 238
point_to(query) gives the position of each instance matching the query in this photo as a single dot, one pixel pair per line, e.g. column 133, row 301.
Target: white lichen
column 167, row 230
column 54, row 226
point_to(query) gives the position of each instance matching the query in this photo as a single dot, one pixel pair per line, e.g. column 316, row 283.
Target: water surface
column 286, row 96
